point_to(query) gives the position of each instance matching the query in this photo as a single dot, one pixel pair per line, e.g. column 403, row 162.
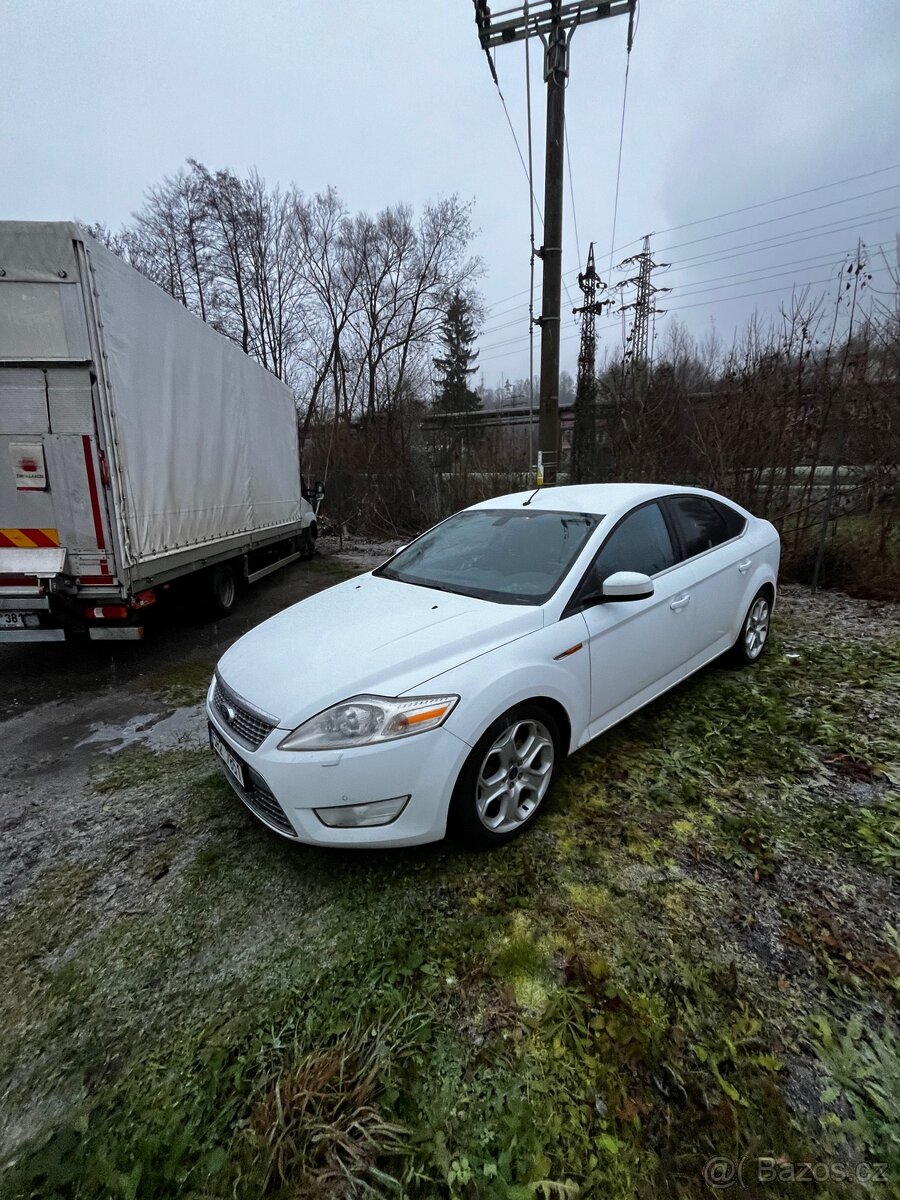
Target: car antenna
column 531, row 497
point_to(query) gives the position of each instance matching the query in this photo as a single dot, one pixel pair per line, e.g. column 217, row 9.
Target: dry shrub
column 861, row 557
column 322, row 1128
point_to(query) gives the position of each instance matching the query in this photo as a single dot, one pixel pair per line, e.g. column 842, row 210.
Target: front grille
column 248, row 726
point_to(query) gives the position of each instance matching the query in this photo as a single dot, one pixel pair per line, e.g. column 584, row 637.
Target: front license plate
column 231, row 761
column 13, row 620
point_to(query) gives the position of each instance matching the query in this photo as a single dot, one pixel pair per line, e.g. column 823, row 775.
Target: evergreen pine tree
column 457, row 362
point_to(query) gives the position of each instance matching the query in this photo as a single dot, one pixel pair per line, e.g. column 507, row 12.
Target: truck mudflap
column 8, row 636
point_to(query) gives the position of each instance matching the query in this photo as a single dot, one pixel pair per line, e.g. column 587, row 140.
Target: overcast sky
column 729, row 105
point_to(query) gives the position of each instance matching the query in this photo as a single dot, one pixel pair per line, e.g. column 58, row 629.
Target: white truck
column 138, row 447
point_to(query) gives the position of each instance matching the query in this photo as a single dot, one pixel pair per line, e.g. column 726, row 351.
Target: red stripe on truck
column 92, row 488
column 20, row 581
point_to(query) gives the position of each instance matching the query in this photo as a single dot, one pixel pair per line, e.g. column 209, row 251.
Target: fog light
column 358, row 816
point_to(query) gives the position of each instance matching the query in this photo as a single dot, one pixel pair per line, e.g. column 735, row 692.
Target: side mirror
column 319, row 490
column 627, row 585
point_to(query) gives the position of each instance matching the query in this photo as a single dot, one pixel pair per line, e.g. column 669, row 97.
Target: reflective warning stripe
column 92, row 486
column 29, row 539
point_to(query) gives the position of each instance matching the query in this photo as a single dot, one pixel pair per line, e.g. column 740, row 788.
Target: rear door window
column 701, row 523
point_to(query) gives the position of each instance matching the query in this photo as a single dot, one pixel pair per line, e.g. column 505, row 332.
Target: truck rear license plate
column 231, row 761
column 13, row 620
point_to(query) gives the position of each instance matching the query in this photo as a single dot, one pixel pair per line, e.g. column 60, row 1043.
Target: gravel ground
column 359, row 552
column 842, row 616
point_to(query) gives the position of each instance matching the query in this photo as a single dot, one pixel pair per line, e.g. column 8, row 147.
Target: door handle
column 745, row 566
column 679, row 603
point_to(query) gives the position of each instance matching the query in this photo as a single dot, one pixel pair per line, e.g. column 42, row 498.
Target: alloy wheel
column 757, row 627
column 514, row 776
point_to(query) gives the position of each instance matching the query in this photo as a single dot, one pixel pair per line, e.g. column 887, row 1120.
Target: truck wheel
column 222, row 590
column 308, row 541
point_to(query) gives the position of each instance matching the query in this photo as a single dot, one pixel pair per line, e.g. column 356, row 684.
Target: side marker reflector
column 571, row 650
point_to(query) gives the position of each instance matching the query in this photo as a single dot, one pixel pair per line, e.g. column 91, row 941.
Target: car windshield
column 511, row 556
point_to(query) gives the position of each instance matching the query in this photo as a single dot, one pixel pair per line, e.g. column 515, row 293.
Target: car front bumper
column 285, row 787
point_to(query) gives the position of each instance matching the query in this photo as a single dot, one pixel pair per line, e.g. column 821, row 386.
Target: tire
column 754, row 631
column 221, row 592
column 308, row 542
column 524, row 739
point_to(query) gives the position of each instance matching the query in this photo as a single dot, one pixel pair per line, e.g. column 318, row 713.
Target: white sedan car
column 448, row 684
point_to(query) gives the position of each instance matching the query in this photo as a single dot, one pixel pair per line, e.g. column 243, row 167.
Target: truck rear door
column 54, row 525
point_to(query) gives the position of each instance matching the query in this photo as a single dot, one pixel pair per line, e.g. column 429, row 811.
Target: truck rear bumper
column 27, row 602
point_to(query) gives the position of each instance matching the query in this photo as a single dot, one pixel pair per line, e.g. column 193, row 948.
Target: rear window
column 735, row 523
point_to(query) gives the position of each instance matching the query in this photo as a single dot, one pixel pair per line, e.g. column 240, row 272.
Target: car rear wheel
column 754, row 631
column 506, row 778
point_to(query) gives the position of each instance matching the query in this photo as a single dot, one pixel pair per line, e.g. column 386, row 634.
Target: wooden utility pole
column 554, row 22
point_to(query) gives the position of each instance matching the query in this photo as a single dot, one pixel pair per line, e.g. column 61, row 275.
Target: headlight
column 365, row 720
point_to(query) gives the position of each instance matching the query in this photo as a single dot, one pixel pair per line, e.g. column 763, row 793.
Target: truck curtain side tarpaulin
column 206, row 439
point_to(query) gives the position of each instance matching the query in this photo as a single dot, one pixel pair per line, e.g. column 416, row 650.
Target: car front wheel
column 754, row 631
column 507, row 776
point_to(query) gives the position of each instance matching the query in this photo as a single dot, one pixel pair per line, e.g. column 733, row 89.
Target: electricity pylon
column 643, row 304
column 584, row 432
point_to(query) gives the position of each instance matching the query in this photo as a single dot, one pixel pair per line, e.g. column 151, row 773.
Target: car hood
column 368, row 634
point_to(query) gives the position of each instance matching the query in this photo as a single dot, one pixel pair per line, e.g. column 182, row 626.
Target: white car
column 448, row 684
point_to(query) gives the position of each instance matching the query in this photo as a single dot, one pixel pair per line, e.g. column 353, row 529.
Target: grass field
column 694, row 955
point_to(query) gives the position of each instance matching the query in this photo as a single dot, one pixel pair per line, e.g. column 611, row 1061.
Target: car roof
column 600, row 498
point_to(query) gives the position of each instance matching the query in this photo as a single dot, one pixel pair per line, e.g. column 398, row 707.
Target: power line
column 632, row 29
column 506, row 346
column 788, row 239
column 519, row 150
column 574, row 270
column 701, row 289
column 572, row 191
column 710, row 260
column 767, row 292
column 784, row 217
column 817, row 259
column 525, row 168
column 765, row 203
